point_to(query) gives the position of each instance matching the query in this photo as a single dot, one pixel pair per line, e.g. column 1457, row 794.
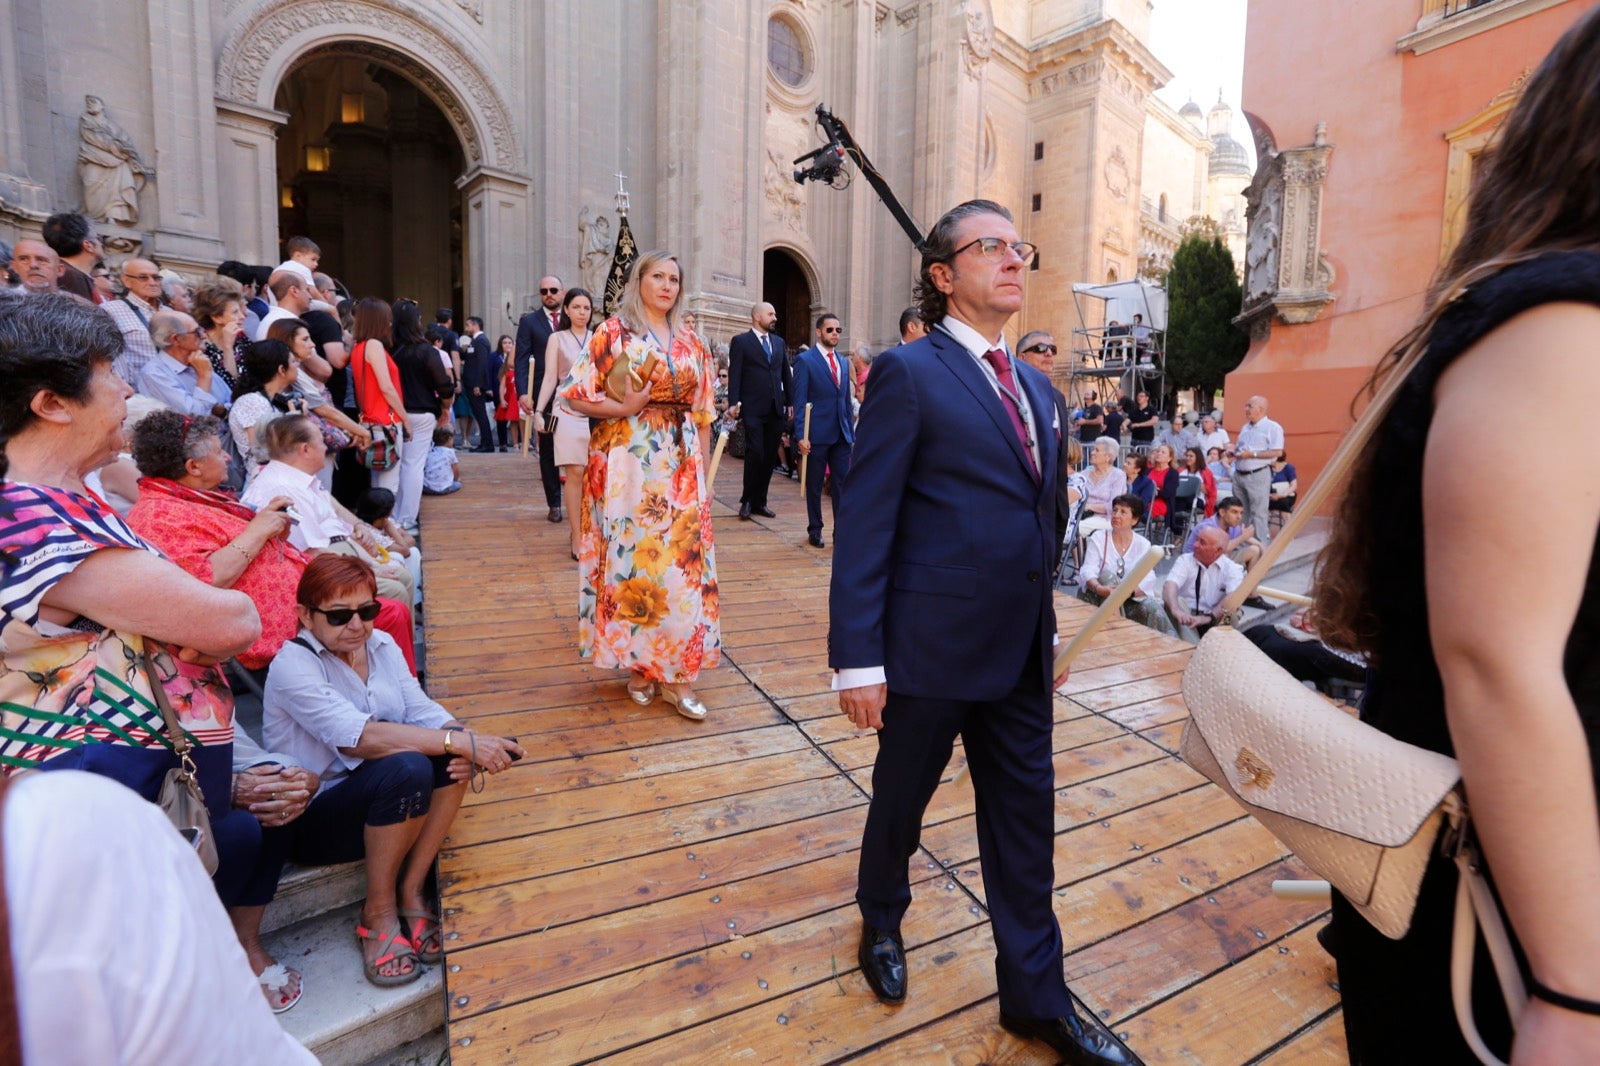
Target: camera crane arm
column 827, row 164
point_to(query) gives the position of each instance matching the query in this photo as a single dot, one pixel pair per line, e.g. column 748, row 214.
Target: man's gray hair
column 165, row 326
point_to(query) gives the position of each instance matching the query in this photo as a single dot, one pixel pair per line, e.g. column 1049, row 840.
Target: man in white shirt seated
column 1198, row 583
column 296, row 454
column 180, row 375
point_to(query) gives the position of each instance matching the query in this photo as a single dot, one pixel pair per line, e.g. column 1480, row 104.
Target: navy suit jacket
column 831, row 417
column 945, row 541
column 761, row 387
column 533, row 336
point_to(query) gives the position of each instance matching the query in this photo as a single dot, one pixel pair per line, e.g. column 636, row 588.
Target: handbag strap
column 10, row 1022
column 175, row 733
column 1475, row 906
column 1331, row 478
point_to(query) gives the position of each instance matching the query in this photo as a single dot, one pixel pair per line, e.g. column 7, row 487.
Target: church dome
column 1192, row 112
column 1228, row 156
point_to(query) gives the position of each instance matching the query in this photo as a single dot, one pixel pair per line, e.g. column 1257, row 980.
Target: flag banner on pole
column 621, row 261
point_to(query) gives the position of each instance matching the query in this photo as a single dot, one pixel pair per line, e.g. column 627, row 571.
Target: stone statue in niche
column 110, row 166
column 594, row 250
column 783, row 193
column 1261, row 246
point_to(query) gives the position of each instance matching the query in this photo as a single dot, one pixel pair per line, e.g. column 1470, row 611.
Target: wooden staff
column 807, row 439
column 716, row 457
column 528, row 419
column 1097, row 621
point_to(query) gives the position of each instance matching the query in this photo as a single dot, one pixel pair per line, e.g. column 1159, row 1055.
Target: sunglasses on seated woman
column 340, row 616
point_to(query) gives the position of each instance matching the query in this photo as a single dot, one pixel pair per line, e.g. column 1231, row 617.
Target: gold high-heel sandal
column 689, row 706
column 645, row 694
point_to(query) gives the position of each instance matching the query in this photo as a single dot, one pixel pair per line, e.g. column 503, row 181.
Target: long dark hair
column 407, row 324
column 565, row 321
column 1534, row 194
column 261, row 363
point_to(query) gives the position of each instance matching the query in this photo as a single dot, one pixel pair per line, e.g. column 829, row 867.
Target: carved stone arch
column 410, row 38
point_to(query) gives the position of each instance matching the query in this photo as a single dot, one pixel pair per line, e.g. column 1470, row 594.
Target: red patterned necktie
column 1001, row 362
column 833, row 368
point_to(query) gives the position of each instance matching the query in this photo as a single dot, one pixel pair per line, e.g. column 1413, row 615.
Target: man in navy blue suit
column 822, row 379
column 941, row 621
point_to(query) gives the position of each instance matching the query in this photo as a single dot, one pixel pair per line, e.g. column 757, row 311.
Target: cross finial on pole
column 622, row 194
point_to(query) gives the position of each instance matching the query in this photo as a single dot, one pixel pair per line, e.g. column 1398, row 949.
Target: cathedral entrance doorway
column 367, row 167
column 784, row 285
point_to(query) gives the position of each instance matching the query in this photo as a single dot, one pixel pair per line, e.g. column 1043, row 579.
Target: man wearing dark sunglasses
column 822, row 379
column 941, row 622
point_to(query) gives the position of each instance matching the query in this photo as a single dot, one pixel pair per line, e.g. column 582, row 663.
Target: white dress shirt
column 1215, row 582
column 319, row 523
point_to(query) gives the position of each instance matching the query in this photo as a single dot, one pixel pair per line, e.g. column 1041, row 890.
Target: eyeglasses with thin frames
column 990, row 248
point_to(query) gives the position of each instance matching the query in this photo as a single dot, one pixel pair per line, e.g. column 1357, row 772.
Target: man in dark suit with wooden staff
column 942, row 625
column 760, row 392
column 533, row 337
column 822, row 378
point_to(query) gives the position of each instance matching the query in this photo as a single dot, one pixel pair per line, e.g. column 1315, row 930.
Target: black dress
column 1396, row 994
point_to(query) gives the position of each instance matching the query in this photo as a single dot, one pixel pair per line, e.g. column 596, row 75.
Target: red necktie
column 833, row 368
column 555, row 321
column 1008, row 381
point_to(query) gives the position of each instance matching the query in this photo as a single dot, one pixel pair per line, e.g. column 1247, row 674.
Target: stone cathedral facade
column 454, row 150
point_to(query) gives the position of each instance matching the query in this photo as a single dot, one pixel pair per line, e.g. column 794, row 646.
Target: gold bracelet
column 247, row 555
column 448, row 748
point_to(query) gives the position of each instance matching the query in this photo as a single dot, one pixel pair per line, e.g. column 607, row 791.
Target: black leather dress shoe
column 744, row 512
column 1078, row 1043
column 815, row 540
column 764, row 511
column 883, row 962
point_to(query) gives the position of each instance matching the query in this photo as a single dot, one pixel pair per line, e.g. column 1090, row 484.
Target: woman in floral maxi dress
column 648, row 596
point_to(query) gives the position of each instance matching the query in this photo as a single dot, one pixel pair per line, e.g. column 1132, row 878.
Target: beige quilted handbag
column 1361, row 809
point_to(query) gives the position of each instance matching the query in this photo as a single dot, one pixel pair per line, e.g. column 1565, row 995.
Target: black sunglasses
column 548, row 292
column 1041, row 348
column 340, row 616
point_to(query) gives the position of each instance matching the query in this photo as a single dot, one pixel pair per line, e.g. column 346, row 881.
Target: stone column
column 187, row 223
column 708, row 125
column 497, row 219
column 20, row 195
column 247, row 171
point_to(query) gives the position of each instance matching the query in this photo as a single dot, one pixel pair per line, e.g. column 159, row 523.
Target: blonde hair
column 630, row 306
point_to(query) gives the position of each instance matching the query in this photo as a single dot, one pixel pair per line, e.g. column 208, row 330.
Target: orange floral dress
column 647, row 599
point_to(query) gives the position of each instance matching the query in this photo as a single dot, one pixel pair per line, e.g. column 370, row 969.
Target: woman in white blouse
column 1109, row 556
column 1103, row 482
column 393, row 764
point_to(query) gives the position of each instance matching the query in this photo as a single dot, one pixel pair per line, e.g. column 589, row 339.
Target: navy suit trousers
column 824, row 458
column 1008, row 747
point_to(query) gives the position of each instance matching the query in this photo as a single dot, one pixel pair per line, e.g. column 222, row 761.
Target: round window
column 786, row 52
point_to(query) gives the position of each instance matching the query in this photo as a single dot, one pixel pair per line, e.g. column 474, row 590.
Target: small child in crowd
column 441, row 473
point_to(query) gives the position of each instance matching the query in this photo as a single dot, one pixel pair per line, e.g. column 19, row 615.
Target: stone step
column 343, row 1018
column 307, row 891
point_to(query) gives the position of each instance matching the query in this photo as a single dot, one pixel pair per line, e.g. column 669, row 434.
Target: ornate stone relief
column 783, row 194
column 1089, row 72
column 1118, row 178
column 1287, row 274
column 473, row 8
column 977, row 41
column 594, row 249
column 471, row 102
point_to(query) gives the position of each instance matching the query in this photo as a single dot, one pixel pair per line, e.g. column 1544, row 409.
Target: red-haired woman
column 393, row 764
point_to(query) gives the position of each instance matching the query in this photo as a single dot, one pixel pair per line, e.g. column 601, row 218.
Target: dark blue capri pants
column 379, row 792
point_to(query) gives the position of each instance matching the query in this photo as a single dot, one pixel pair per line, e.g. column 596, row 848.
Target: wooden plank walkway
column 646, row 889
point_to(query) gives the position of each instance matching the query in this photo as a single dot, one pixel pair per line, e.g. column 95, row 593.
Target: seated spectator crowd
column 190, row 508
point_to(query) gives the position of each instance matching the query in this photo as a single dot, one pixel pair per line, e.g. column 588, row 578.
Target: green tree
column 1203, row 296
